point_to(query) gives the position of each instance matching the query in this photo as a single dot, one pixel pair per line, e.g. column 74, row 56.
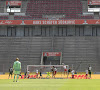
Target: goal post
column 47, row 68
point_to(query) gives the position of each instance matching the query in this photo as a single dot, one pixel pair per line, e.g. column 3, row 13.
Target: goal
column 47, row 68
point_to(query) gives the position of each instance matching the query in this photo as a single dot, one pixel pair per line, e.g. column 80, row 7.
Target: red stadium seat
column 36, row 9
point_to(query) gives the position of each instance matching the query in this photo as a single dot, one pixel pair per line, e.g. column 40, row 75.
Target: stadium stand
column 4, row 17
column 78, row 43
column 72, row 9
column 35, row 9
column 23, row 17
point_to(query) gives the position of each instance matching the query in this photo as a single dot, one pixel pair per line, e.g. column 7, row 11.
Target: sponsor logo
column 98, row 22
column 52, row 54
column 6, row 22
column 22, row 23
column 2, row 22
column 45, row 54
column 85, row 22
column 14, row 3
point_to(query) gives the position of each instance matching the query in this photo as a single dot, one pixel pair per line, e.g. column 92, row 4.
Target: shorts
column 28, row 76
column 17, row 72
column 86, row 75
column 55, row 72
column 10, row 73
column 72, row 76
column 40, row 74
column 65, row 69
column 89, row 72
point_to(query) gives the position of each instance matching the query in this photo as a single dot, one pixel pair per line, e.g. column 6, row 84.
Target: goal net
column 47, row 68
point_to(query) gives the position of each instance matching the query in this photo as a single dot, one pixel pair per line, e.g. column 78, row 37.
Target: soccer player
column 17, row 69
column 28, row 76
column 69, row 70
column 20, row 75
column 72, row 74
column 25, row 74
column 40, row 73
column 65, row 69
column 36, row 73
column 89, row 70
column 10, row 72
column 48, row 75
column 53, row 72
column 86, row 74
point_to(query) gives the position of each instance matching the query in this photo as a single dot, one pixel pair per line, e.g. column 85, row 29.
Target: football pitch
column 50, row 84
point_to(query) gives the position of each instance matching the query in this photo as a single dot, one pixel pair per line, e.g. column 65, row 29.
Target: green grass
column 51, row 84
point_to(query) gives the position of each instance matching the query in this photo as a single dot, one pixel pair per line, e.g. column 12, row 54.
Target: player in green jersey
column 48, row 75
column 16, row 69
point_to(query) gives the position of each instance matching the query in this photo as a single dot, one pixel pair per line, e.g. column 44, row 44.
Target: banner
column 13, row 3
column 60, row 22
column 51, row 53
column 10, row 22
column 50, row 22
column 93, row 2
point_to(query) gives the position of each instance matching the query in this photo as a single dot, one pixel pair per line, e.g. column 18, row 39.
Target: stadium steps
column 82, row 49
column 24, row 6
column 84, row 6
column 11, row 17
column 29, row 50
column 96, row 15
column 2, row 5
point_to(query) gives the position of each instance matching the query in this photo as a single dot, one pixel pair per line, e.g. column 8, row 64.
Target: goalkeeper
column 17, row 69
column 48, row 75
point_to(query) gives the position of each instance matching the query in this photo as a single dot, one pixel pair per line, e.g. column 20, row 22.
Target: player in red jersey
column 65, row 69
column 55, row 71
column 86, row 74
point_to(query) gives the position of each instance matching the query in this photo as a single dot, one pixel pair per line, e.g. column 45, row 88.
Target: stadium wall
column 49, row 30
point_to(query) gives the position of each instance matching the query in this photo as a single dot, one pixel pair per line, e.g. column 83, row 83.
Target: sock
column 17, row 77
